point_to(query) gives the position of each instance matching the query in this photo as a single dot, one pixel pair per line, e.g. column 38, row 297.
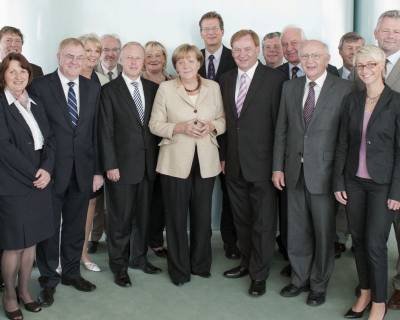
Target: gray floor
column 154, row 297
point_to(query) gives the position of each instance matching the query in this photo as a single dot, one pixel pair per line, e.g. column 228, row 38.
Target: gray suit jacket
column 393, row 80
column 100, row 69
column 316, row 144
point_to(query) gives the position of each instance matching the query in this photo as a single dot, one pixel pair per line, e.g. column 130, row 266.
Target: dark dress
column 26, row 213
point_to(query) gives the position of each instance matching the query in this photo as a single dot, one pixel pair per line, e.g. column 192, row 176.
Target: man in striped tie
column 251, row 95
column 128, row 152
column 71, row 104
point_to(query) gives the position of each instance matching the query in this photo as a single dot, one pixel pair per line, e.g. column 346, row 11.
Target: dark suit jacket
column 285, row 69
column 76, row 146
column 249, row 138
column 36, row 71
column 125, row 143
column 18, row 160
column 316, row 143
column 227, row 63
column 383, row 141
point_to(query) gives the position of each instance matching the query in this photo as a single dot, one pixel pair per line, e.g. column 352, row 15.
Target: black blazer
column 250, row 138
column 285, row 69
column 382, row 136
column 36, row 71
column 76, row 146
column 18, row 160
column 227, row 63
column 125, row 143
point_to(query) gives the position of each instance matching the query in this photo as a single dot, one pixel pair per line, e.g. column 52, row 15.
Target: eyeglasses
column 312, row 56
column 71, row 57
column 369, row 66
column 210, row 29
column 113, row 50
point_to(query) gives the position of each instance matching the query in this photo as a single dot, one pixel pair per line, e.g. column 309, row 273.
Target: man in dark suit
column 11, row 40
column 128, row 152
column 349, row 44
column 218, row 60
column 71, row 104
column 305, row 140
column 251, row 95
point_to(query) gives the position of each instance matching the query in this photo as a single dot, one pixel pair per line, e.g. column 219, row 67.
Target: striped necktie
column 72, row 104
column 242, row 93
column 309, row 105
column 138, row 101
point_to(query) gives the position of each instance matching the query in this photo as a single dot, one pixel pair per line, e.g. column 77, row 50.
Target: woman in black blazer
column 367, row 176
column 26, row 162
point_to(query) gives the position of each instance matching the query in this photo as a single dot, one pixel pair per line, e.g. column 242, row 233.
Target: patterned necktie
column 309, row 105
column 294, row 72
column 387, row 61
column 138, row 101
column 211, row 68
column 72, row 104
column 242, row 93
column 110, row 74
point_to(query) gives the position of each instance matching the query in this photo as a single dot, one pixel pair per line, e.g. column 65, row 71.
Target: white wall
column 45, row 22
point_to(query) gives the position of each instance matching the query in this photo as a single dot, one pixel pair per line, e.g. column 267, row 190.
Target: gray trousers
column 396, row 225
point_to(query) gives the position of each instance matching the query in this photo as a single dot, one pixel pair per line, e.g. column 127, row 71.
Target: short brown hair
column 183, row 50
column 243, row 33
column 212, row 15
column 13, row 30
column 350, row 37
column 6, row 63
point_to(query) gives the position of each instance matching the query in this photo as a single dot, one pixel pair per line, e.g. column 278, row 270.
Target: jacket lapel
column 253, row 88
column 12, row 108
column 147, row 100
column 298, row 94
column 222, row 62
column 83, row 101
column 128, row 98
column 231, row 92
column 394, row 75
column 182, row 93
column 380, row 105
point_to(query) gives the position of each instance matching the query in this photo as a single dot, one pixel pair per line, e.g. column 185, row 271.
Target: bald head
column 132, row 59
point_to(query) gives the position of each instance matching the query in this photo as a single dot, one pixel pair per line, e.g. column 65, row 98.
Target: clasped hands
column 42, row 179
column 195, row 128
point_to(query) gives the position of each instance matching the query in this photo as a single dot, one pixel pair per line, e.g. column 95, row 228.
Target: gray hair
column 300, row 30
column 114, row 36
column 271, row 35
column 305, row 42
column 91, row 37
column 350, row 37
column 395, row 14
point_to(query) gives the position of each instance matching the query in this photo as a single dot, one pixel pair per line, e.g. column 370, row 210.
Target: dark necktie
column 110, row 74
column 386, row 65
column 138, row 101
column 211, row 68
column 294, row 72
column 309, row 105
column 72, row 104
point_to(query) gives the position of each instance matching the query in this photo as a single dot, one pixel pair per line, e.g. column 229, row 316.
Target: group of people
column 285, row 139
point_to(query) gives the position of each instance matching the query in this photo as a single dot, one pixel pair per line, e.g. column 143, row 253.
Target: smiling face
column 10, row 42
column 70, row 60
column 16, row 78
column 245, row 52
column 314, row 59
column 387, row 34
column 348, row 50
column 93, row 53
column 272, row 51
column 291, row 40
column 211, row 32
column 154, row 59
column 369, row 70
column 111, row 51
column 187, row 66
column 132, row 61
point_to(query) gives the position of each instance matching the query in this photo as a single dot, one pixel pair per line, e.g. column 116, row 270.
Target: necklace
column 195, row 89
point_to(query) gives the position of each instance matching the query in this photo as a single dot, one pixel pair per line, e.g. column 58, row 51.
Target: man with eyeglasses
column 218, row 60
column 305, row 140
column 71, row 104
column 111, row 50
column 387, row 34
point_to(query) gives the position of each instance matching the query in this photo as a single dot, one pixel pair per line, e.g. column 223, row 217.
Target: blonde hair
column 183, row 50
column 157, row 45
column 91, row 37
column 69, row 41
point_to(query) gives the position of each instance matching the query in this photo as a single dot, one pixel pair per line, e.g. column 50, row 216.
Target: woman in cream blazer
column 188, row 115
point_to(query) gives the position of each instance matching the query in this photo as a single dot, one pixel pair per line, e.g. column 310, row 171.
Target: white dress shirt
column 317, row 88
column 345, row 73
column 29, row 118
column 64, row 83
column 131, row 88
column 106, row 71
column 392, row 61
column 217, row 58
column 250, row 74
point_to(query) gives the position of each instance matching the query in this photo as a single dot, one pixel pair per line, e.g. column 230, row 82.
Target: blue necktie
column 138, row 101
column 72, row 104
column 211, row 68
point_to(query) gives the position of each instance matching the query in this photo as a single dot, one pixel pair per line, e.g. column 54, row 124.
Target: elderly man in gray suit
column 305, row 139
column 387, row 34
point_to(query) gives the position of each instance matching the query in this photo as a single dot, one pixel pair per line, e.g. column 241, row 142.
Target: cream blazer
column 173, row 105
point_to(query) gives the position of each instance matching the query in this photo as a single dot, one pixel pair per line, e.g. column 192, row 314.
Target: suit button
column 195, row 111
column 368, row 142
column 195, row 122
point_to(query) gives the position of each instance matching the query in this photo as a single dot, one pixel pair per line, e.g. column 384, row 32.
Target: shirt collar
column 129, row 81
column 106, row 71
column 295, row 65
column 394, row 57
column 11, row 99
column 217, row 54
column 65, row 80
column 346, row 72
column 250, row 72
column 320, row 81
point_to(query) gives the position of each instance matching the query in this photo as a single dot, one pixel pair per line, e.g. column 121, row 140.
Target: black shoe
column 292, row 291
column 316, row 298
column 178, row 283
column 237, row 272
column 92, row 246
column 354, row 314
column 286, row 271
column 202, row 274
column 231, row 251
column 78, row 283
column 339, row 249
column 46, row 297
column 257, row 288
column 160, row 252
column 122, row 279
column 14, row 315
column 146, row 268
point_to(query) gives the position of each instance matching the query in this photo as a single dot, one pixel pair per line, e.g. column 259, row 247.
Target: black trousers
column 254, row 212
column 193, row 194
column 227, row 226
column 70, row 210
column 157, row 216
column 311, row 236
column 370, row 222
column 128, row 208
